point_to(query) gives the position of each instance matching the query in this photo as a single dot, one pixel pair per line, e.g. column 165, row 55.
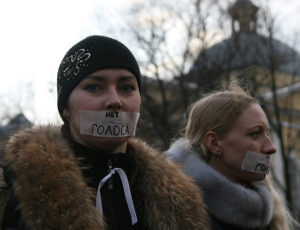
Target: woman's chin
column 111, row 144
column 257, row 177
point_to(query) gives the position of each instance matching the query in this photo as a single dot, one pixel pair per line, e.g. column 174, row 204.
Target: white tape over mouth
column 256, row 162
column 108, row 124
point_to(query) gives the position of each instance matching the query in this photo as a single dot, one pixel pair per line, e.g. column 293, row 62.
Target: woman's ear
column 66, row 115
column 212, row 142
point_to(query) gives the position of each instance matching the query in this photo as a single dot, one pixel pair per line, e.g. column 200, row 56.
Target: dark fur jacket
column 53, row 194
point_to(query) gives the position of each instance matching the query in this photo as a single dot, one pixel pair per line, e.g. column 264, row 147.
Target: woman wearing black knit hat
column 91, row 173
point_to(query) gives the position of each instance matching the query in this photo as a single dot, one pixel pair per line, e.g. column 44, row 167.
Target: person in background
column 91, row 173
column 226, row 149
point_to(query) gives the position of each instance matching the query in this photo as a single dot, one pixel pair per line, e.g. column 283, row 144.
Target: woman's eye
column 255, row 134
column 127, row 88
column 92, row 88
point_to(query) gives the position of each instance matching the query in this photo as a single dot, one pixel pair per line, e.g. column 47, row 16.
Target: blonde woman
column 226, row 150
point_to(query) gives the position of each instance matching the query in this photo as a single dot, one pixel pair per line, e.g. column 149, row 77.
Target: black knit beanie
column 87, row 56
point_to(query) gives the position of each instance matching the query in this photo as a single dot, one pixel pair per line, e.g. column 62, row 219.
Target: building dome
column 246, row 48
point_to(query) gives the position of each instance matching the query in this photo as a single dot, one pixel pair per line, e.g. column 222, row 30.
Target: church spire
column 244, row 16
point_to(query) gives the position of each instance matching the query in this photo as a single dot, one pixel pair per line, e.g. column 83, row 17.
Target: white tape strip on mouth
column 108, row 124
column 256, row 162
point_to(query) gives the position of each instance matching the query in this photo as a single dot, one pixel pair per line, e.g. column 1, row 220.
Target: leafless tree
column 178, row 64
column 16, row 101
column 170, row 35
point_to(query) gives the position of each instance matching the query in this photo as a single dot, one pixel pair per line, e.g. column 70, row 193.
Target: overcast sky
column 35, row 34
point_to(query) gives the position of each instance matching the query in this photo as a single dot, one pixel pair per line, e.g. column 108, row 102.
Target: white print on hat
column 108, row 124
column 256, row 162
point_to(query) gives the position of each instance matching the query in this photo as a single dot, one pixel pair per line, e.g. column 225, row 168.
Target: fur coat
column 53, row 194
column 230, row 205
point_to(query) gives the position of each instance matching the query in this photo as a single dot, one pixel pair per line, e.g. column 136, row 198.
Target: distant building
column 16, row 123
column 267, row 65
column 245, row 47
column 262, row 56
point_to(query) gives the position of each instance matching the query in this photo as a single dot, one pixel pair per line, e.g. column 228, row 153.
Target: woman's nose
column 113, row 101
column 269, row 148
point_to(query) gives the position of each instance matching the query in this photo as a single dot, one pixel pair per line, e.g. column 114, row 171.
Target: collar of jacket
column 52, row 191
column 227, row 201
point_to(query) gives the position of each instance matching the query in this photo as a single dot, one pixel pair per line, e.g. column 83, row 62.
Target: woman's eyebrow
column 126, row 78
column 102, row 78
column 96, row 78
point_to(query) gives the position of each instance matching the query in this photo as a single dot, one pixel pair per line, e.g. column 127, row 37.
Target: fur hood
column 53, row 194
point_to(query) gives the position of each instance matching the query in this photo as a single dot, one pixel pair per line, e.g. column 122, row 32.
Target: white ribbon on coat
column 126, row 189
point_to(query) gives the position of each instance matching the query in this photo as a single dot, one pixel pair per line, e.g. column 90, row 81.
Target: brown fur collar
column 52, row 191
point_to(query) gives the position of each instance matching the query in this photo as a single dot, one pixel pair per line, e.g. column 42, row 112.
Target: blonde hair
column 217, row 112
column 282, row 219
